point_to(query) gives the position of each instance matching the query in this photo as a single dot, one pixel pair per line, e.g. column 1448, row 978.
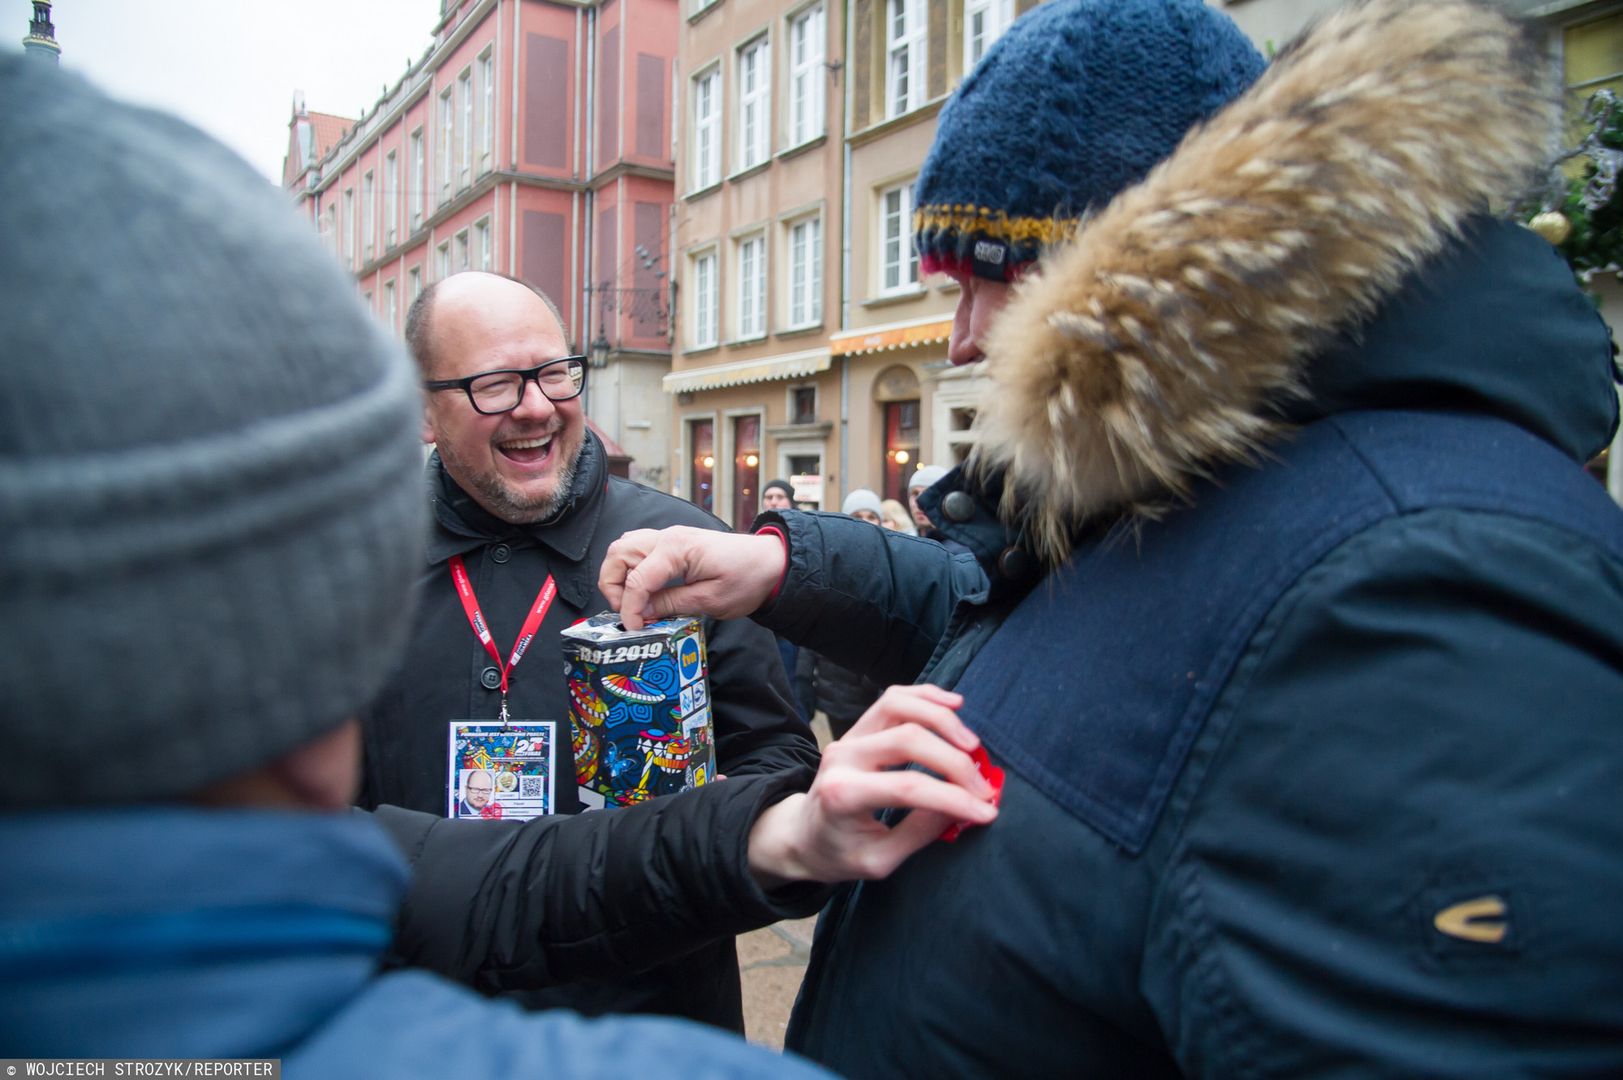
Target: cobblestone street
column 771, row 962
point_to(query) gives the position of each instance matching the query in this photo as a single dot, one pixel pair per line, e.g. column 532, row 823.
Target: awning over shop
column 793, row 366
column 881, row 339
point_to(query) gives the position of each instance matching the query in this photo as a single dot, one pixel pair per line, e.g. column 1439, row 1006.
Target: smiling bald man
column 521, row 493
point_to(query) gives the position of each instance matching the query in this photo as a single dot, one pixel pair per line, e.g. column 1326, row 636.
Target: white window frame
column 390, row 309
column 754, row 73
column 487, row 118
column 464, row 161
column 803, row 284
column 442, row 261
column 415, row 277
column 391, row 200
column 368, row 216
column 749, row 262
column 484, row 257
column 447, row 164
column 463, row 257
column 994, row 16
column 895, row 233
column 793, row 448
column 706, row 99
column 706, row 299
column 418, row 179
column 349, row 226
column 807, row 91
column 905, row 42
column 789, row 393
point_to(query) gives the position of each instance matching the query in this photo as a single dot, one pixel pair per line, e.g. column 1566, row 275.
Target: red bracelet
column 773, row 530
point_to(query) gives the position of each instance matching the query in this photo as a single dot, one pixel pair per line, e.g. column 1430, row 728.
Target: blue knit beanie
column 1079, row 99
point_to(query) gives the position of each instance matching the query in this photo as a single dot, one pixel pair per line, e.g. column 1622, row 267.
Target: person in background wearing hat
column 1297, row 627
column 925, row 477
column 863, row 505
column 777, row 495
column 922, row 480
column 523, row 507
column 211, row 521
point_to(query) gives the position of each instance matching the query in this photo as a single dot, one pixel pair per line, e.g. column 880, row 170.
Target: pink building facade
column 532, row 138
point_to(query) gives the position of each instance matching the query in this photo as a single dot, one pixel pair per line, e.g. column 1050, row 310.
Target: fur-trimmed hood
column 1180, row 329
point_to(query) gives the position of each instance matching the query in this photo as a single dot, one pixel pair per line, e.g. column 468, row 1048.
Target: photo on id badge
column 500, row 772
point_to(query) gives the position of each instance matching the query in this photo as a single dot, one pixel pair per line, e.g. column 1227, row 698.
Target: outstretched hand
column 649, row 574
column 830, row 832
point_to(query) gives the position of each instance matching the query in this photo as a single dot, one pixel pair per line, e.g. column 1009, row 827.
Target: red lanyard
column 476, row 619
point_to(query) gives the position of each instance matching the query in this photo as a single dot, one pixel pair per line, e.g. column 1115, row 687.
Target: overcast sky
column 231, row 66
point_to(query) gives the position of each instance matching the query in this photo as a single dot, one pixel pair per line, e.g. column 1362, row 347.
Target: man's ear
column 323, row 774
column 428, row 427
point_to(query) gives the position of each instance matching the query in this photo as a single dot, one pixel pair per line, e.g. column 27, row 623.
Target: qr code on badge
column 531, row 787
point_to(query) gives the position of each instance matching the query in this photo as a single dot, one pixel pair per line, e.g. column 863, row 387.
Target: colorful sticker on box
column 628, row 694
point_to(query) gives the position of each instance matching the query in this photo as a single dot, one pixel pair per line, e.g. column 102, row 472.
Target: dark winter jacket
column 1316, row 768
column 447, row 675
column 511, row 905
column 838, row 691
column 789, row 652
column 167, row 932
column 955, row 547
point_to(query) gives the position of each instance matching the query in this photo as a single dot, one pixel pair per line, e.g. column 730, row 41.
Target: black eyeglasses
column 496, row 392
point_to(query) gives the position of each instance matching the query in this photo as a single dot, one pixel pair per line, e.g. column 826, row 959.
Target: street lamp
column 599, row 349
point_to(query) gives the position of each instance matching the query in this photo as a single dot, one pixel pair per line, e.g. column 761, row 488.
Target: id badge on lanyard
column 500, row 769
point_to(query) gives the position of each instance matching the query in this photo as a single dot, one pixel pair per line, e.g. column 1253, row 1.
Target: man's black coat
column 443, row 677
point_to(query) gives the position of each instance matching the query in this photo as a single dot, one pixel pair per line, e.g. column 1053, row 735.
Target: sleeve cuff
column 773, row 530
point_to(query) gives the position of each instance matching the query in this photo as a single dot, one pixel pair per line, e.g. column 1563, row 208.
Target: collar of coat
column 1170, row 334
column 461, row 525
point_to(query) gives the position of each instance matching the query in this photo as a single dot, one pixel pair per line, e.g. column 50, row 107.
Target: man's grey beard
column 497, row 498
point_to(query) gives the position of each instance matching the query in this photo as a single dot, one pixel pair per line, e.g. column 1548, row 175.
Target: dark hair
column 418, row 314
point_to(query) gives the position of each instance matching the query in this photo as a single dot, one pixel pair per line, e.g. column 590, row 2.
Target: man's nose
column 961, row 344
column 533, row 404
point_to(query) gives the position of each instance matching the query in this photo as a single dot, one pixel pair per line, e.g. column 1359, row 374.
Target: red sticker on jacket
column 993, row 776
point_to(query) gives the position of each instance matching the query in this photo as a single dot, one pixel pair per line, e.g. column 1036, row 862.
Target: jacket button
column 501, row 553
column 1016, row 564
column 958, row 506
column 491, row 678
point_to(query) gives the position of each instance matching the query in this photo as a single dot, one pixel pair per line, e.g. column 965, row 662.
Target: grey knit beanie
column 926, row 476
column 210, row 504
column 862, row 499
